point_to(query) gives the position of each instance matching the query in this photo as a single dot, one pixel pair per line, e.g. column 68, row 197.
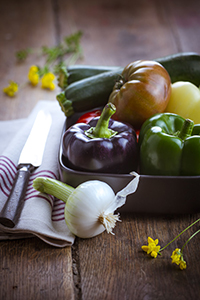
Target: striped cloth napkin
column 42, row 215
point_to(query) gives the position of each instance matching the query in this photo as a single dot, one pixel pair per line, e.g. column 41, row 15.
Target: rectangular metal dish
column 154, row 195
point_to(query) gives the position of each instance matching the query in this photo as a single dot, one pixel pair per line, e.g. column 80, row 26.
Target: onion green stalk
column 89, row 208
column 53, row 187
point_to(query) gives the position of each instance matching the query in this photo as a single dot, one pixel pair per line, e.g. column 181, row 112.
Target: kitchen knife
column 30, row 158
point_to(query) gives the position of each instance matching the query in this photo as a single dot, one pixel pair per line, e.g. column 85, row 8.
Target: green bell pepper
column 169, row 145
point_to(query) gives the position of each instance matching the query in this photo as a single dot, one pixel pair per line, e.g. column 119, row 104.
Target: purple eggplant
column 103, row 145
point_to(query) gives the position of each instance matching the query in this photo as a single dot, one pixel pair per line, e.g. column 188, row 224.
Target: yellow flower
column 11, row 89
column 33, row 75
column 152, row 247
column 182, row 265
column 177, row 258
column 47, row 81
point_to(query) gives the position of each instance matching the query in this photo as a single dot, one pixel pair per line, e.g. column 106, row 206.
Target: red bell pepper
column 87, row 117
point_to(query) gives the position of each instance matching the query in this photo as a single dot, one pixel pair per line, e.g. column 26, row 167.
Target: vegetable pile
column 142, row 92
column 157, row 99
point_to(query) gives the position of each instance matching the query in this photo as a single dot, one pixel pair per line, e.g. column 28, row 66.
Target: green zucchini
column 182, row 67
column 74, row 73
column 88, row 93
column 78, row 72
column 94, row 91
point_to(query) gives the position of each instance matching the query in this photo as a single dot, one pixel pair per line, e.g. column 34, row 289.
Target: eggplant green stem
column 53, row 187
column 186, row 129
column 101, row 130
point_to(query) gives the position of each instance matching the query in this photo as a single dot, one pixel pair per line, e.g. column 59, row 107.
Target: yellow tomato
column 185, row 101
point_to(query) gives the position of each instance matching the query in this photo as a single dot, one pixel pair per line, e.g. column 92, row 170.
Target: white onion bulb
column 89, row 208
column 85, row 209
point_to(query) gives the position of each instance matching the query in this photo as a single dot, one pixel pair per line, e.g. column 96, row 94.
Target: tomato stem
column 119, row 83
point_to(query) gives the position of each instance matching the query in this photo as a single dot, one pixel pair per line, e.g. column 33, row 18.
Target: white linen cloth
column 42, row 215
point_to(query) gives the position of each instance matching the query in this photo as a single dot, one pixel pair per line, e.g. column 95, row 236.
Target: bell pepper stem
column 101, row 130
column 186, row 129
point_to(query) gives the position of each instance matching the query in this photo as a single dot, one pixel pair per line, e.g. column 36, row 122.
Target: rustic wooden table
column 107, row 266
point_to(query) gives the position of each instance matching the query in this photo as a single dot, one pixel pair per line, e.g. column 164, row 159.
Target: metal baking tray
column 154, row 195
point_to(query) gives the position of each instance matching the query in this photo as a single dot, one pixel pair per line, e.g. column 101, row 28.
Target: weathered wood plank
column 115, row 267
column 118, row 32
column 30, row 269
column 24, row 24
column 184, row 23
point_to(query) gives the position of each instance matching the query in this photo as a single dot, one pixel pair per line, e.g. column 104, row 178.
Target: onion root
column 109, row 221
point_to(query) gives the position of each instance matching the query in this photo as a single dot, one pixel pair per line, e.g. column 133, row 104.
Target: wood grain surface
column 110, row 267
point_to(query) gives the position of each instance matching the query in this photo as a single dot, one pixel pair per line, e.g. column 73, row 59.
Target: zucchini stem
column 65, row 104
column 53, row 187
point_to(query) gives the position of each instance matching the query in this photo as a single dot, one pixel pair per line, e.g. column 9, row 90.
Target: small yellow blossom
column 182, row 265
column 152, row 247
column 11, row 89
column 33, row 75
column 177, row 258
column 47, row 81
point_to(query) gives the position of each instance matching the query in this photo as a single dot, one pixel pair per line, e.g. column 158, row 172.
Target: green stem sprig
column 70, row 47
column 191, row 237
column 57, row 59
column 180, row 235
column 177, row 255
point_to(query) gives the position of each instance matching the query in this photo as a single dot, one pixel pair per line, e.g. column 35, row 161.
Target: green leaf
column 21, row 55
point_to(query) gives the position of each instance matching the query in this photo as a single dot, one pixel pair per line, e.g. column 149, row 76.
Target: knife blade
column 30, row 158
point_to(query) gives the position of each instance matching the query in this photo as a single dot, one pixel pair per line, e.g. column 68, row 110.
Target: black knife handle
column 15, row 202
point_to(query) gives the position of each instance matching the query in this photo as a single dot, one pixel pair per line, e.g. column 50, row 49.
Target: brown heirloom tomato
column 143, row 90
